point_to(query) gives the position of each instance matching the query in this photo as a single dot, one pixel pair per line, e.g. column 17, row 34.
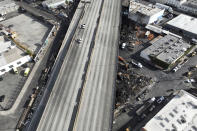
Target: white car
column 123, row 45
column 160, row 99
column 190, row 81
column 137, row 64
column 176, row 68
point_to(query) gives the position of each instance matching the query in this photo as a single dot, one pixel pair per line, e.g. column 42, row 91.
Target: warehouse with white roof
column 180, row 114
column 144, row 14
column 185, row 25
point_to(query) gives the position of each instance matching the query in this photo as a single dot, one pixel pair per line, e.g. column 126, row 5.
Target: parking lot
column 11, row 85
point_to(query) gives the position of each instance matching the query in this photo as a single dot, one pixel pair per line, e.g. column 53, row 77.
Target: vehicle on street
column 79, row 40
column 160, row 99
column 137, row 64
column 26, row 72
column 192, row 54
column 175, row 69
column 83, row 26
column 190, row 81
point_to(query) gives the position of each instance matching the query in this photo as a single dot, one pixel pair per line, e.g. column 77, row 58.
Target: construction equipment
column 13, row 34
column 139, row 33
column 21, row 46
column 124, row 61
column 151, row 36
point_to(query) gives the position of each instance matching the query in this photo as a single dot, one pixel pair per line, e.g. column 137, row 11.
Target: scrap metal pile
column 129, row 83
column 134, row 34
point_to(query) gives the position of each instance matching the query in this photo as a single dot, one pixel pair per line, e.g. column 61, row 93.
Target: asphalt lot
column 30, row 32
column 11, row 86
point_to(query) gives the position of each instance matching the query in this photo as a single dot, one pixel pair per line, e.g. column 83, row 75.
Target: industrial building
column 144, row 14
column 7, row 6
column 178, row 115
column 184, row 25
column 170, row 2
column 10, row 55
column 165, row 51
column 54, row 3
column 187, row 6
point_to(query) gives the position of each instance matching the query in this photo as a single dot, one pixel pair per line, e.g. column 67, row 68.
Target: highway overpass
column 80, row 92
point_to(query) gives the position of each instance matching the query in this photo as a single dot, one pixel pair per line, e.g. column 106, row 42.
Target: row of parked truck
column 26, row 71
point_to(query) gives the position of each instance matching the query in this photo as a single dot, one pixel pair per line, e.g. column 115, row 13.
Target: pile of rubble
column 129, row 83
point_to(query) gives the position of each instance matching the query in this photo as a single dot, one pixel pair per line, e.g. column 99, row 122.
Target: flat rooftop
column 167, row 49
column 5, row 44
column 31, row 33
column 8, row 51
column 191, row 4
column 7, row 6
column 53, row 2
column 4, row 3
column 179, row 114
column 136, row 7
column 184, row 22
column 11, row 56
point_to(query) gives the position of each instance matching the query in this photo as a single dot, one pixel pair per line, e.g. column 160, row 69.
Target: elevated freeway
column 96, row 103
column 80, row 96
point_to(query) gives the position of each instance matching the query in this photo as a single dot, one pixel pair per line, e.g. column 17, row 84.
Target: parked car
column 190, row 81
column 152, row 108
column 192, row 54
column 123, row 45
column 160, row 99
column 137, row 64
column 175, row 69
